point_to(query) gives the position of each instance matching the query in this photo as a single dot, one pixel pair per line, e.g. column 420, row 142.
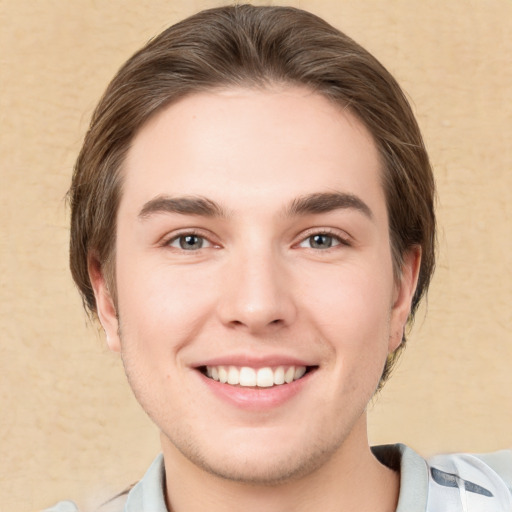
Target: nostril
column 253, row 324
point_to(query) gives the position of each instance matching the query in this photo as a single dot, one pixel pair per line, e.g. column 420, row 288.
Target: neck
column 350, row 480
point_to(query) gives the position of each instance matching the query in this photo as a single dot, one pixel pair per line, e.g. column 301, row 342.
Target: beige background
column 68, row 424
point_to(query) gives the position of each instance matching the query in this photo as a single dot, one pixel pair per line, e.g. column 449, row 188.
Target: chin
column 259, row 464
column 265, row 472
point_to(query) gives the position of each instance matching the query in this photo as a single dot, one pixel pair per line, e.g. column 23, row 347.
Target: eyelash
column 189, row 233
column 340, row 241
column 335, row 235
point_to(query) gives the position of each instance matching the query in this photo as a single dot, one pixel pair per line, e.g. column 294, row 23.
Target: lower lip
column 256, row 399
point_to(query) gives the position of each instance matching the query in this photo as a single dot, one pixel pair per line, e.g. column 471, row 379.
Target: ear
column 405, row 288
column 105, row 306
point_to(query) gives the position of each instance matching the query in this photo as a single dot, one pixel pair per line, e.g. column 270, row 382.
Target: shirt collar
column 149, row 494
column 413, row 475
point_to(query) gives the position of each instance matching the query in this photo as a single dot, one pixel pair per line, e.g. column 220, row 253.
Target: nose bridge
column 257, row 295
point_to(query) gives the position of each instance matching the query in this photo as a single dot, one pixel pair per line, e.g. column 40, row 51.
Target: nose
column 257, row 293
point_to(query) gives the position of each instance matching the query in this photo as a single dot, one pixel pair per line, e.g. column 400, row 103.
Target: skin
column 258, row 287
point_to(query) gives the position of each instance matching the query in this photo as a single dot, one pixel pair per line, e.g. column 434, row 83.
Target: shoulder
column 116, row 504
column 148, row 494
column 501, row 463
column 452, row 482
column 62, row 506
column 495, row 465
column 483, row 482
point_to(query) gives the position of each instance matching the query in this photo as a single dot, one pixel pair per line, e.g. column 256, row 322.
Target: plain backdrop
column 69, row 427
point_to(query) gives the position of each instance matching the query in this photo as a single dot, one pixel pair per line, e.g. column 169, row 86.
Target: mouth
column 249, row 377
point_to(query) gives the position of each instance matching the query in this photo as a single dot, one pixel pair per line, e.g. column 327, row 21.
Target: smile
column 246, row 376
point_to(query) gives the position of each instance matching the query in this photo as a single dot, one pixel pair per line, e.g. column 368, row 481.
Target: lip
column 255, row 399
column 254, row 361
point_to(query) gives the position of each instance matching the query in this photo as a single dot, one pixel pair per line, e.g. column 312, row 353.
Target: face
column 256, row 296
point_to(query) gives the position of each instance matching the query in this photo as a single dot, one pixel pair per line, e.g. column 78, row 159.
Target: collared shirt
column 444, row 483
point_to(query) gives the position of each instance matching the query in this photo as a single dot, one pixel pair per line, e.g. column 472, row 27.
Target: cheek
column 162, row 305
column 349, row 298
column 352, row 315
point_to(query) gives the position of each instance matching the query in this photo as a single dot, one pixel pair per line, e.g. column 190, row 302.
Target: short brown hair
column 251, row 46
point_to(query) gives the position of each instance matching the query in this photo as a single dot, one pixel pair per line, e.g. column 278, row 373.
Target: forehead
column 247, row 147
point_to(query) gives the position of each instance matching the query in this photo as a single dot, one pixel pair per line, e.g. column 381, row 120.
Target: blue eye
column 189, row 242
column 320, row 241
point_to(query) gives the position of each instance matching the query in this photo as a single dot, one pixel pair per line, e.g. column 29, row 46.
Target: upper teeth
column 261, row 377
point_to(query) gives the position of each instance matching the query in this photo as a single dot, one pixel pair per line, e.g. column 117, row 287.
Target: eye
column 189, row 242
column 321, row 241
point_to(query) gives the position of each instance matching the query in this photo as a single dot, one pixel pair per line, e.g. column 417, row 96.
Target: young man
column 253, row 225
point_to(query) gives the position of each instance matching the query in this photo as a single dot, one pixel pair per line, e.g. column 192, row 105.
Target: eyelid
column 166, row 240
column 341, row 236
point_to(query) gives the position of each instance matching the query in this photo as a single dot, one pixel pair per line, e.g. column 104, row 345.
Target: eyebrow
column 323, row 202
column 186, row 205
column 316, row 203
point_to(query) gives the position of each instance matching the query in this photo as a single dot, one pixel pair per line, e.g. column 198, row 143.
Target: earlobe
column 405, row 289
column 105, row 307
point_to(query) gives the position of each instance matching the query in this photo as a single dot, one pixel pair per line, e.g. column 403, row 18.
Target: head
column 254, row 192
column 251, row 47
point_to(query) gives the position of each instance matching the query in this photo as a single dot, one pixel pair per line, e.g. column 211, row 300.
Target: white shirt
column 444, row 483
